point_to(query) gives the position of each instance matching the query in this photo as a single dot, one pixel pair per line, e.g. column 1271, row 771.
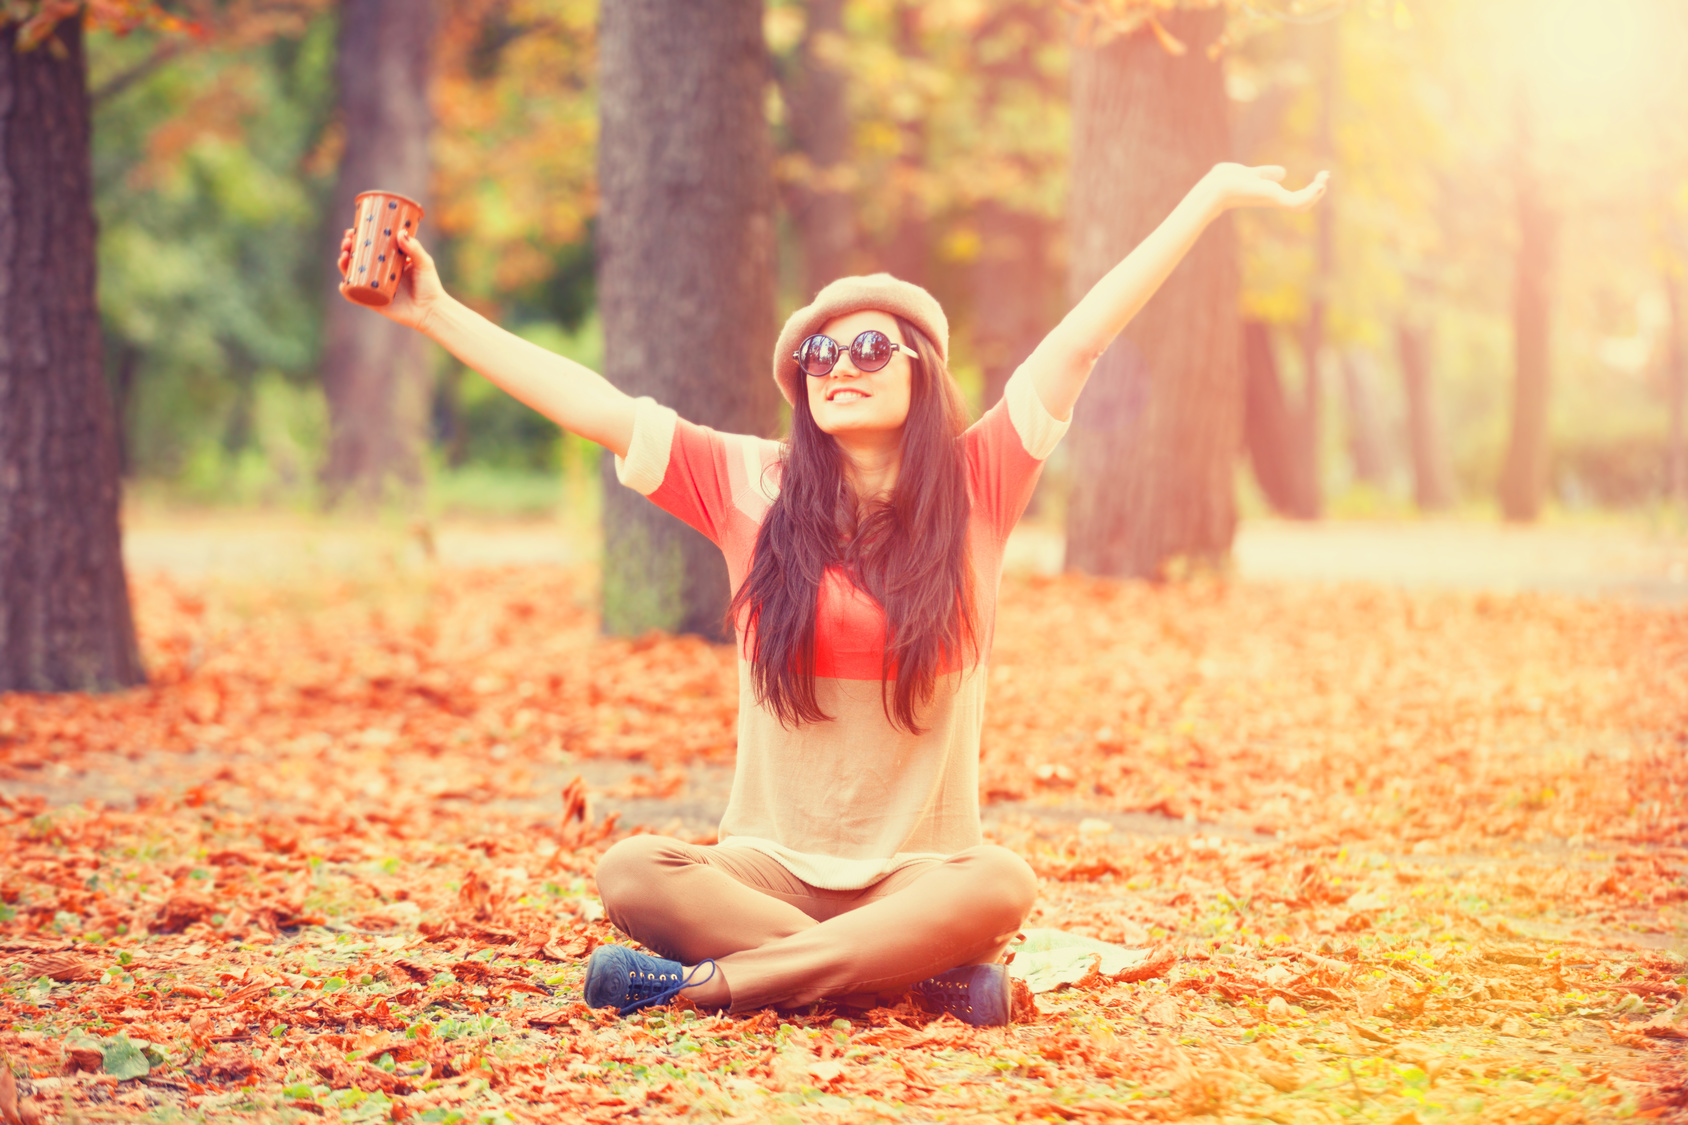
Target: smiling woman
column 865, row 555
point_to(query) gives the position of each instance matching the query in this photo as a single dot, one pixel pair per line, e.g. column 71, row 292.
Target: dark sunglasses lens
column 871, row 351
column 818, row 355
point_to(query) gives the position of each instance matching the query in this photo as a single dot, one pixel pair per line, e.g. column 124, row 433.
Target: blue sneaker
column 620, row 978
column 975, row 994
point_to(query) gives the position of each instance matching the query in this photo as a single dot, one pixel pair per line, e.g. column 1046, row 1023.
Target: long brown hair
column 907, row 551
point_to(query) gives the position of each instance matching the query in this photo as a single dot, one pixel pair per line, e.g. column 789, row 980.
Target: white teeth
column 853, row 394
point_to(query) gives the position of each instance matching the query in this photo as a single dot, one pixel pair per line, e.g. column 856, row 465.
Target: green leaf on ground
column 124, row 1058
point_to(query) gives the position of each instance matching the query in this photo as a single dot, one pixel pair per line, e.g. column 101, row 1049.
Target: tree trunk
column 1367, row 449
column 820, row 125
column 1159, row 427
column 1524, row 477
column 685, row 273
column 1313, row 337
column 1432, row 490
column 65, row 623
column 1676, row 389
column 1011, row 286
column 1271, row 429
column 375, row 372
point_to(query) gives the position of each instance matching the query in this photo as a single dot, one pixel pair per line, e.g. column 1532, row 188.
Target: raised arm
column 1062, row 362
column 575, row 397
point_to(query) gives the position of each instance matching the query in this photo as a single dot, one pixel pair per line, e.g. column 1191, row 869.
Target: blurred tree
column 817, row 176
column 685, row 272
column 213, row 157
column 957, row 126
column 1325, row 48
column 1361, row 391
column 1524, row 478
column 1015, row 270
column 1676, row 392
column 1332, row 94
column 514, row 177
column 65, row 620
column 376, row 372
column 1158, row 428
column 514, row 185
column 904, row 245
column 1432, row 490
column 1269, row 422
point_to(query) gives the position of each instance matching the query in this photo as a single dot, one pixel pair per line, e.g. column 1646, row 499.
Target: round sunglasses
column 818, row 355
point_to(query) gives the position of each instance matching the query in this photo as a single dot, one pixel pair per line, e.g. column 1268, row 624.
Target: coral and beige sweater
column 845, row 802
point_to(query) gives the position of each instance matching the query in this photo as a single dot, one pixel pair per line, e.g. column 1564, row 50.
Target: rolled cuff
column 1040, row 431
column 646, row 462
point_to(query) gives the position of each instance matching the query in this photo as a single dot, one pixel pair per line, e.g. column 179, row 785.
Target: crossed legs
column 778, row 942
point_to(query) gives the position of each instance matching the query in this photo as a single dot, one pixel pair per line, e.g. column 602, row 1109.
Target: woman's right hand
column 419, row 291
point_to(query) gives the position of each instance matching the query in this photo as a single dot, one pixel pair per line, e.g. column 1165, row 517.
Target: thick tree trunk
column 1159, row 427
column 1524, row 477
column 820, row 124
column 1432, row 490
column 375, row 372
column 685, row 272
column 1676, row 389
column 1271, row 429
column 65, row 622
column 1012, row 281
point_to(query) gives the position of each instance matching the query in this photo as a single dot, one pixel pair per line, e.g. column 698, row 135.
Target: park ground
column 1400, row 809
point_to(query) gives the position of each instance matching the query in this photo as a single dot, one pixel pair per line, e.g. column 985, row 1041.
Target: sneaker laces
column 647, row 989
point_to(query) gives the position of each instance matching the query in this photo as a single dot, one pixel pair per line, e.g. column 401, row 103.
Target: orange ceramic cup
column 377, row 263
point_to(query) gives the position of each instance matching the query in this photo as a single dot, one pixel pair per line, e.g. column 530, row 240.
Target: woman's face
column 849, row 402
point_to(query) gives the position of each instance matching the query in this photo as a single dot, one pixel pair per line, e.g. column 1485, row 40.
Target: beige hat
column 878, row 291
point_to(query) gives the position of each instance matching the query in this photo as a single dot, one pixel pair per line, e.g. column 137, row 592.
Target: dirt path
column 1611, row 559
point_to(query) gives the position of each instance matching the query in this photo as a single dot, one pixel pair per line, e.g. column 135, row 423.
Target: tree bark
column 1432, row 491
column 1158, row 429
column 685, row 273
column 1524, row 477
column 65, row 622
column 375, row 372
column 820, row 125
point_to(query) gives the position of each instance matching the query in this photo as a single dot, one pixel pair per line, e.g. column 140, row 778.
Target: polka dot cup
column 377, row 264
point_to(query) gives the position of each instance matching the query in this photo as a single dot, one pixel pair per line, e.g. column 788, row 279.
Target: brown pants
column 780, row 942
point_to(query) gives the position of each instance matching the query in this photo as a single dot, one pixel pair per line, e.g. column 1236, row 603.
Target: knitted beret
column 878, row 291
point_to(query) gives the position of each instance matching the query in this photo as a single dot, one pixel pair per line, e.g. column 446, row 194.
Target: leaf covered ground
column 1406, row 858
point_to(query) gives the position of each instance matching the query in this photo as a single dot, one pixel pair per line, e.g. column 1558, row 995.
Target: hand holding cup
column 382, row 263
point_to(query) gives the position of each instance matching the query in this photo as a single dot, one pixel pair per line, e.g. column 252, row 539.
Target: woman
column 865, row 555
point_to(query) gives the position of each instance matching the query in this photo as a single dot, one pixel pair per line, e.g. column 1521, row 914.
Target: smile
column 847, row 394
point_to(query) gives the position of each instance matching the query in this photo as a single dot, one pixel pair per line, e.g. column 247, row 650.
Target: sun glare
column 1593, row 60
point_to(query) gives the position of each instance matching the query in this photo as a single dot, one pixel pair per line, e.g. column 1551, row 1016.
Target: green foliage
column 210, row 190
column 212, row 176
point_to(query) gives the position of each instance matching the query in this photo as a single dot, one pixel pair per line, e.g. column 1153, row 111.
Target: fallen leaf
column 8, row 1093
column 123, row 1058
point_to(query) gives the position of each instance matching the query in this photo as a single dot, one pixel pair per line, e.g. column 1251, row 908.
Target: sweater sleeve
column 1006, row 449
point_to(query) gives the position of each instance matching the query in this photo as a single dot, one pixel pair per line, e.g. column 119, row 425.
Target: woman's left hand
column 1237, row 185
